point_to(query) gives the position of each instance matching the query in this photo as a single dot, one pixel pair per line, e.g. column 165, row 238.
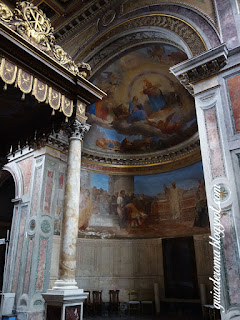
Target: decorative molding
column 32, row 24
column 201, row 67
column 185, row 31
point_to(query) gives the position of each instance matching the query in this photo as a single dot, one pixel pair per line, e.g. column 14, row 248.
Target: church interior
column 119, row 120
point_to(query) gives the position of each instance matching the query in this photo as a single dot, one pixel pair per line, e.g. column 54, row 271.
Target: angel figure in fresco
column 155, row 96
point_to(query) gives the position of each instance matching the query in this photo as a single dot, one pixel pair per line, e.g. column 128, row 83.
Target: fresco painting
column 167, row 204
column 146, row 108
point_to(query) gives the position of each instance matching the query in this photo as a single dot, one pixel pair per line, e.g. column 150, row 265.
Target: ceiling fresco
column 146, row 110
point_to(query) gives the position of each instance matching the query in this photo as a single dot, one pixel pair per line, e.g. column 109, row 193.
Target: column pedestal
column 64, row 304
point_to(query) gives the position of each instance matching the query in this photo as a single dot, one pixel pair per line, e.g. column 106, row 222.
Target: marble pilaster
column 206, row 76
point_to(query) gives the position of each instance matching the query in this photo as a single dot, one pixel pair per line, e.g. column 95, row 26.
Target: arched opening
column 7, row 193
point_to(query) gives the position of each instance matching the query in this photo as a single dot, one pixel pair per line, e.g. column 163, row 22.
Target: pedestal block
column 64, row 304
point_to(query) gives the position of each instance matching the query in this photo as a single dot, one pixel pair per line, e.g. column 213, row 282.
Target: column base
column 64, row 304
column 65, row 285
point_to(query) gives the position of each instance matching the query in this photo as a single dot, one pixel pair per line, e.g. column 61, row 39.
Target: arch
column 16, row 173
column 174, row 17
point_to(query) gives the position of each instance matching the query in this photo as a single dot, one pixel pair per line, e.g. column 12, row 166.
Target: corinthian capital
column 76, row 129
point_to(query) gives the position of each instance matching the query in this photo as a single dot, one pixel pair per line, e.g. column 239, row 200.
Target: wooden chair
column 97, row 302
column 87, row 304
column 114, row 304
column 133, row 303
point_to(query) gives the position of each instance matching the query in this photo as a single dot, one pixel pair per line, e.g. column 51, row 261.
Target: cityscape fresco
column 160, row 205
column 146, row 108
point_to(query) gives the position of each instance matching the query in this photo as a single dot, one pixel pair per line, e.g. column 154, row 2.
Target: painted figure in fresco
column 135, row 216
column 85, row 209
column 120, row 209
column 201, row 216
column 201, row 213
column 174, row 201
column 155, row 96
column 136, row 111
column 156, row 52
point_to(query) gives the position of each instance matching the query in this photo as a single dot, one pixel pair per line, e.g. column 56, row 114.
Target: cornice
column 201, row 67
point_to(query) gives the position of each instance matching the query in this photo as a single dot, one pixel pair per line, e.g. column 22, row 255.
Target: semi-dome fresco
column 146, row 108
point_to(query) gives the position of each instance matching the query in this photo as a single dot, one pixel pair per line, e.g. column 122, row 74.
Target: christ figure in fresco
column 155, row 96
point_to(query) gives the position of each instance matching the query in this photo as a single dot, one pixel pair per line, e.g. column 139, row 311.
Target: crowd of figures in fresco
column 166, row 204
column 134, row 212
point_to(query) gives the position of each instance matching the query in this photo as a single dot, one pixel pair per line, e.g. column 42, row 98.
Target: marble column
column 69, row 234
column 65, row 300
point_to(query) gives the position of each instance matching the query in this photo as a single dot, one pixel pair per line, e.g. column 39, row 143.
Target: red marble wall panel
column 234, row 85
column 215, row 148
column 19, row 249
column 26, row 168
column 28, row 267
column 231, row 260
column 61, row 180
column 41, row 265
column 48, row 193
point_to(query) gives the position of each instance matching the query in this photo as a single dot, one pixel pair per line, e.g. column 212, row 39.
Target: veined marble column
column 69, row 234
column 65, row 300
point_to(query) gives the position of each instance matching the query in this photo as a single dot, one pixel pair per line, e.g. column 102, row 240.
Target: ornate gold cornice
column 32, row 24
column 167, row 163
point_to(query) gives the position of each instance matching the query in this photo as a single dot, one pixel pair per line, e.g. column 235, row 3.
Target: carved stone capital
column 201, row 67
column 76, row 129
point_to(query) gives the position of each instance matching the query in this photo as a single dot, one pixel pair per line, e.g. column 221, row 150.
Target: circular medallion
column 108, row 18
column 32, row 224
column 221, row 193
column 45, row 226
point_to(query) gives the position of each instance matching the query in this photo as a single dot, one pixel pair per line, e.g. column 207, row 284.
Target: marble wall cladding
column 41, row 264
column 231, row 258
column 214, row 143
column 104, row 264
column 28, row 266
column 26, row 169
column 233, row 85
column 48, row 192
column 227, row 23
column 11, row 249
column 35, row 194
column 17, row 263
